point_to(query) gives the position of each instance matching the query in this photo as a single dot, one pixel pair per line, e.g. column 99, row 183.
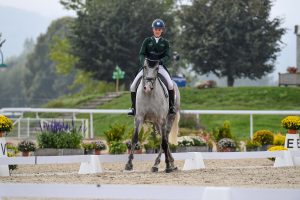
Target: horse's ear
column 145, row 63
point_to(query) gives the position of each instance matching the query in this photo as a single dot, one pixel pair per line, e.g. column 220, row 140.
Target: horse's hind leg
column 157, row 161
column 168, row 156
column 134, row 140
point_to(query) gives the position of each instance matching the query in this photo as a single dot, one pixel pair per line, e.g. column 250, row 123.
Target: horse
column 152, row 105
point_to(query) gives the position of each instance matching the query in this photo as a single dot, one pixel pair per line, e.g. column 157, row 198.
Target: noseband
column 150, row 64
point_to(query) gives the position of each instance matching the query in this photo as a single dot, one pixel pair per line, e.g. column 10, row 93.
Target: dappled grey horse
column 152, row 105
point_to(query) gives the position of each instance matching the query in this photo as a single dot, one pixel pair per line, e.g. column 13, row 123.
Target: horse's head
column 150, row 72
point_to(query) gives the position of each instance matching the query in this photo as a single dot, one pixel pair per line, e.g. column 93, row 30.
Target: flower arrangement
column 137, row 146
column 264, row 137
column 226, row 143
column 99, row 145
column 6, row 124
column 276, row 148
column 279, row 139
column 188, row 141
column 292, row 70
column 291, row 122
column 26, row 145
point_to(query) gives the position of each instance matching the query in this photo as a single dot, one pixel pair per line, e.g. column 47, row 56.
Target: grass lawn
column 236, row 98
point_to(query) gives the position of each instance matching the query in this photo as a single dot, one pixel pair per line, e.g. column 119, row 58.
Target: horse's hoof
column 154, row 169
column 171, row 169
column 128, row 167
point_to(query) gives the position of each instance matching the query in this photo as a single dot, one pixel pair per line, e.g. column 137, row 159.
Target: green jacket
column 156, row 51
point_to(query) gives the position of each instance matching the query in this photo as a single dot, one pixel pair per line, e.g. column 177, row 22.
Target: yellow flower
column 5, row 124
column 291, row 122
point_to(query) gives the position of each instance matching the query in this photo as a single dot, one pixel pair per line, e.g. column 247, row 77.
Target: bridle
column 150, row 80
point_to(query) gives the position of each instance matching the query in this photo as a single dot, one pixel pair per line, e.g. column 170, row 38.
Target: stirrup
column 172, row 110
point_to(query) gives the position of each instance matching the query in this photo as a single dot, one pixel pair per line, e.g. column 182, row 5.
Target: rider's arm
column 167, row 54
column 142, row 53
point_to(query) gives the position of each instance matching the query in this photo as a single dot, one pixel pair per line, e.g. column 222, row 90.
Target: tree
column 230, row 38
column 110, row 33
column 40, row 80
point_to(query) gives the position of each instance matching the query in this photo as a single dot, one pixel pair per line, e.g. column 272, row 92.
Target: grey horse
column 152, row 105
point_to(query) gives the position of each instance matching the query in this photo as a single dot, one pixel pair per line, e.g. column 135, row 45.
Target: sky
column 287, row 9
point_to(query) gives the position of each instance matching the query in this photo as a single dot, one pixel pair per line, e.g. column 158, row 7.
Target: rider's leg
column 165, row 74
column 133, row 92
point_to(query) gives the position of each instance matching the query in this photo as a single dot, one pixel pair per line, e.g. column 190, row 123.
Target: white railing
column 140, row 192
column 28, row 127
column 124, row 111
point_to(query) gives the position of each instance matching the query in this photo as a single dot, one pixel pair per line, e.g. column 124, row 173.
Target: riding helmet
column 158, row 23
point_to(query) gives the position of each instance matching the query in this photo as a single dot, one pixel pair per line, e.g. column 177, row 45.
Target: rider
column 155, row 48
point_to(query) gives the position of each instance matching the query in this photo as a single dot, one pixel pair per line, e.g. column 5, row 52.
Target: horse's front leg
column 134, row 140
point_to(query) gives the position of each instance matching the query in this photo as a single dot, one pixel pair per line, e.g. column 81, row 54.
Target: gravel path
column 237, row 173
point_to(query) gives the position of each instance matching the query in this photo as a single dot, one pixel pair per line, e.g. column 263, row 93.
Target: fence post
column 19, row 128
column 91, row 125
column 28, row 127
column 251, row 126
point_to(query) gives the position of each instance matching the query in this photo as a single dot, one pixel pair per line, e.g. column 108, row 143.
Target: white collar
column 156, row 39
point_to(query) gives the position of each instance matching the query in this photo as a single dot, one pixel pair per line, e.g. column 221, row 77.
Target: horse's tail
column 174, row 129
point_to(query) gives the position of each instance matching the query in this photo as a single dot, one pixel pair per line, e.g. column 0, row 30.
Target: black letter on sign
column 3, row 149
column 298, row 142
column 289, row 142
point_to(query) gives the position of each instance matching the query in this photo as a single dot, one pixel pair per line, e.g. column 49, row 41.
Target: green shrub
column 87, row 146
column 252, row 145
column 189, row 121
column 222, row 132
column 264, row 137
column 116, row 133
column 12, row 150
column 59, row 140
column 117, row 147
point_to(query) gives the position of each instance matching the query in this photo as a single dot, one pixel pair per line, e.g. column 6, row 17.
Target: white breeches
column 161, row 70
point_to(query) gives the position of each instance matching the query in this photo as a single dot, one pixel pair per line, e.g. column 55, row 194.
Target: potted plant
column 6, row 125
column 26, row 146
column 292, row 123
column 264, row 137
column 99, row 146
column 59, row 138
column 292, row 70
column 88, row 147
column 226, row 145
column 137, row 149
column 252, row 145
column 117, row 147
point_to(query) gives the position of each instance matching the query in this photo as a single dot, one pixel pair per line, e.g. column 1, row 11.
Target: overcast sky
column 287, row 9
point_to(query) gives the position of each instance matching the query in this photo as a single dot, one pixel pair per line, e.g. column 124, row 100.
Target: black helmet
column 158, row 23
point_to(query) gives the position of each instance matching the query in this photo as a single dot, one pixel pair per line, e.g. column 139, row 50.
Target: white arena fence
column 29, row 127
column 20, row 111
column 140, row 192
column 193, row 160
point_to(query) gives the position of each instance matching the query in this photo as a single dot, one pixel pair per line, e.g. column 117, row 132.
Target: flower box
column 58, row 152
column 192, row 149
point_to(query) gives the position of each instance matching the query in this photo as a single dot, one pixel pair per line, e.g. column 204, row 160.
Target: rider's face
column 157, row 32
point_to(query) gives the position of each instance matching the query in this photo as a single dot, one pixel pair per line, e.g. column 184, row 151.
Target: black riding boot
column 133, row 97
column 172, row 109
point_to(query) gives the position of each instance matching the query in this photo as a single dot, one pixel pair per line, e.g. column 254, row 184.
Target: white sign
column 292, row 141
column 4, row 171
column 3, row 149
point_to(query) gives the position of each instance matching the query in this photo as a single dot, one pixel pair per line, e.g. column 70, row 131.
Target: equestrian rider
column 155, row 48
